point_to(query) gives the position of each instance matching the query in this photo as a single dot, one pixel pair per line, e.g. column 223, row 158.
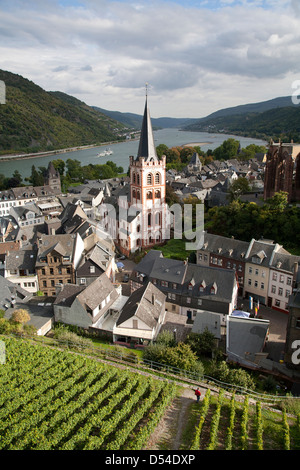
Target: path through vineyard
column 168, row 434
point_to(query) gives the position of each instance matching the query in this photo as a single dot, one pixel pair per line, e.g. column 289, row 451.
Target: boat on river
column 105, row 153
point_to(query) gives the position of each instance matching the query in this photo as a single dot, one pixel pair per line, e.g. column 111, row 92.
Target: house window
column 250, row 270
column 255, row 283
column 249, row 282
column 256, row 272
column 287, row 293
column 274, row 276
column 92, row 269
column 280, row 291
column 200, row 256
column 83, row 280
column 199, row 301
column 273, row 289
column 262, row 285
column 277, row 303
column 174, row 286
column 289, row 281
column 188, row 300
column 281, row 278
column 164, row 283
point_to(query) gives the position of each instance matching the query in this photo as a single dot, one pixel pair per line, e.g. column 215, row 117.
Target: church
column 282, row 171
column 142, row 216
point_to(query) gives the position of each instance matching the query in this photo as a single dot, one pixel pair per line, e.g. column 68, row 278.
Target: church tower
column 148, row 190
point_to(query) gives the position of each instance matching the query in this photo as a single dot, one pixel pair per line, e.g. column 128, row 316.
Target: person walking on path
column 198, row 394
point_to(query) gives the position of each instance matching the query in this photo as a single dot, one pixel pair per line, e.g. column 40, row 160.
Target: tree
column 202, row 343
column 20, row 316
column 59, row 165
column 74, row 169
column 238, row 187
column 228, row 149
column 36, row 178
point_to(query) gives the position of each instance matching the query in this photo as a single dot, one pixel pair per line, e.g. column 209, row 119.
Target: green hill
column 135, row 120
column 277, row 122
column 36, row 120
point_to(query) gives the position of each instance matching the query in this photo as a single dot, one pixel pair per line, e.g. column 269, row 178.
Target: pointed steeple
column 146, row 145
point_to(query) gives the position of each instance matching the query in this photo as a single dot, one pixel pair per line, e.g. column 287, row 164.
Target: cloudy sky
column 197, row 56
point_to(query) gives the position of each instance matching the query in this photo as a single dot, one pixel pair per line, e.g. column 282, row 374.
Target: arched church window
column 157, row 194
column 157, row 178
column 149, row 178
column 138, row 195
column 149, row 194
column 149, row 219
column 157, row 218
column 133, row 193
column 134, row 178
column 138, row 178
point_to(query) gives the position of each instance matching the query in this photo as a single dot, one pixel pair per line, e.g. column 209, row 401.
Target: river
column 122, row 151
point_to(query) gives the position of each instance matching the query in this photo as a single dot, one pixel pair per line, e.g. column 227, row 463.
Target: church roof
column 146, row 146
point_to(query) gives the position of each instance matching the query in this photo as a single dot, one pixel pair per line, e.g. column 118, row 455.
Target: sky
column 196, row 56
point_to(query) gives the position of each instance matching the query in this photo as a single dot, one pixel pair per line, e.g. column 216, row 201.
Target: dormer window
column 213, row 289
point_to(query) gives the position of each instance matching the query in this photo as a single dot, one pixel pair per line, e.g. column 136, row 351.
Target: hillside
column 36, row 120
column 135, row 120
column 277, row 122
column 53, row 399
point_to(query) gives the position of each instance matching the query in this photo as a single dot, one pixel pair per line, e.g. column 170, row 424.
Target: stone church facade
column 282, row 172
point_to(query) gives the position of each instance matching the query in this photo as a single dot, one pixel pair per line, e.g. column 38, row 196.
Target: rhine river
column 122, row 151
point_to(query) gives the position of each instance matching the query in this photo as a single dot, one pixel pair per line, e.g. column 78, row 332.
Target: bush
column 62, row 334
column 180, row 356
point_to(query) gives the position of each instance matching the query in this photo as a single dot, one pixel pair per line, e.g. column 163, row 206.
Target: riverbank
column 22, row 156
column 197, row 144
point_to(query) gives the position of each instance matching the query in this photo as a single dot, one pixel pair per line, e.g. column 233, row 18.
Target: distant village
column 62, row 259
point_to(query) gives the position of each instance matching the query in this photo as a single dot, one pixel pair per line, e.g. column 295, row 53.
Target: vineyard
column 54, row 400
column 231, row 424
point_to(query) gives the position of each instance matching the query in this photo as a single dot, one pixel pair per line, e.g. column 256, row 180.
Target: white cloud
column 195, row 59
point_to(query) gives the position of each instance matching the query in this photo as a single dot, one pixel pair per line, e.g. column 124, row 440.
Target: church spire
column 146, row 146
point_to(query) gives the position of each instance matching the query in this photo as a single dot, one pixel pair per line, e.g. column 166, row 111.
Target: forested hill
column 36, row 120
column 277, row 123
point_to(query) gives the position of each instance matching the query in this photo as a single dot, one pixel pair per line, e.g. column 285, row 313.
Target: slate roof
column 146, row 145
column 227, row 247
column 67, row 294
column 97, row 291
column 21, row 259
column 146, row 303
column 285, row 262
column 10, row 292
column 62, row 243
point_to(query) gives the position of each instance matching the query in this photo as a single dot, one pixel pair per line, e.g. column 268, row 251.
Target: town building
column 57, row 259
column 189, row 288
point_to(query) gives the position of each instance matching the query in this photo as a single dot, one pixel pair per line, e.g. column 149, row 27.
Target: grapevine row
column 204, row 410
column 214, row 426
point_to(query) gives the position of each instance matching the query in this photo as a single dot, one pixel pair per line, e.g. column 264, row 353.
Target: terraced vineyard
column 50, row 399
column 231, row 424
